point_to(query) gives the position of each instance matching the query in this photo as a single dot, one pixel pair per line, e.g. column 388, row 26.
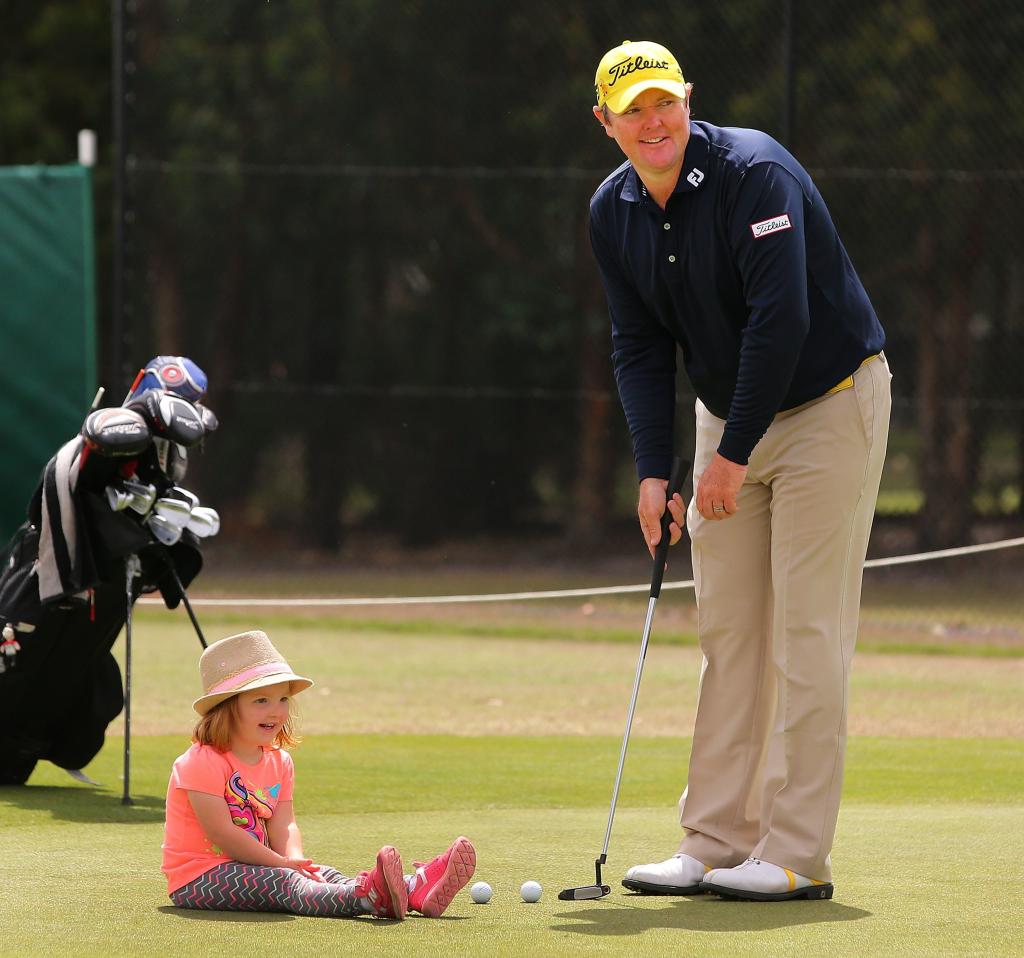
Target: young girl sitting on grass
column 231, row 842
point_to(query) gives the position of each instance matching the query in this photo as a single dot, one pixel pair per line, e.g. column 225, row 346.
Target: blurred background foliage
column 367, row 222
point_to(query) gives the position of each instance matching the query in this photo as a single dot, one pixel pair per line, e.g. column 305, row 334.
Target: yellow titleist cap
column 630, row 68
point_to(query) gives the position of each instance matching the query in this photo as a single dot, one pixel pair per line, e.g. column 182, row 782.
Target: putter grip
column 675, row 484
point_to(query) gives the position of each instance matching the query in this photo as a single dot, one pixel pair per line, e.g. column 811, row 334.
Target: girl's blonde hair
column 216, row 727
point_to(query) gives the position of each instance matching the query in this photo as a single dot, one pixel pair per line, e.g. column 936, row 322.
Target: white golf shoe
column 756, row 880
column 679, row 875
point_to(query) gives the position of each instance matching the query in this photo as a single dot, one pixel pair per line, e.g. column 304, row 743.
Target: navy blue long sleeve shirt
column 745, row 271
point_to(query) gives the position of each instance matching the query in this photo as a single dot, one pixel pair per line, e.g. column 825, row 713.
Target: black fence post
column 789, row 66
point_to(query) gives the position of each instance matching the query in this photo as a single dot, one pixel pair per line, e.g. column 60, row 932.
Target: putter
column 598, row 889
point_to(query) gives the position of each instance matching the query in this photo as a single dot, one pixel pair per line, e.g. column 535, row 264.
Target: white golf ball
column 480, row 893
column 530, row 891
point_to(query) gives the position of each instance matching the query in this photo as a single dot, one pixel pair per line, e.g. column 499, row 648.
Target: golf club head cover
column 169, row 416
column 210, row 421
column 173, row 374
column 177, row 462
column 116, row 433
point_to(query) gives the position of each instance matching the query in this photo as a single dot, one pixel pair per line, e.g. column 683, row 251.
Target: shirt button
column 671, row 259
column 668, row 226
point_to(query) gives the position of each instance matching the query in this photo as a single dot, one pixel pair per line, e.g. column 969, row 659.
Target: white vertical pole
column 87, row 147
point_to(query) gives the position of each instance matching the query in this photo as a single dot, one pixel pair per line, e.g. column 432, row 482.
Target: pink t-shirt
column 250, row 791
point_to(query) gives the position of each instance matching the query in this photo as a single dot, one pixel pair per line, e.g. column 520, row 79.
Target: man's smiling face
column 652, row 132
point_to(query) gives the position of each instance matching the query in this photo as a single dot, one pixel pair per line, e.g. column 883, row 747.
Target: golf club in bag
column 107, row 522
column 598, row 889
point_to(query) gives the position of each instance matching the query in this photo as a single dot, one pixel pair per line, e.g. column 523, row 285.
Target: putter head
column 589, row 892
column 584, row 893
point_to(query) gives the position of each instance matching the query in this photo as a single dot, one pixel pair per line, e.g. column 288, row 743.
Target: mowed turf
column 927, row 858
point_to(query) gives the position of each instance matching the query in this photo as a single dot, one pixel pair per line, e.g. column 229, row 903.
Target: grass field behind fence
column 504, row 724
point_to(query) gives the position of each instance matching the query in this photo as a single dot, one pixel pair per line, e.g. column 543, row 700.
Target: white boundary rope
column 562, row 593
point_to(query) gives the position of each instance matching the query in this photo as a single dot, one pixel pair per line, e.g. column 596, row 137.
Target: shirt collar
column 691, row 176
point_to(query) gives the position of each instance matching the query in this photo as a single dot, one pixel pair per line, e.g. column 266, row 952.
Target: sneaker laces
column 418, row 876
column 365, row 889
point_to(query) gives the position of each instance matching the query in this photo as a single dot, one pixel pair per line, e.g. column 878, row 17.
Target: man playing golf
column 715, row 241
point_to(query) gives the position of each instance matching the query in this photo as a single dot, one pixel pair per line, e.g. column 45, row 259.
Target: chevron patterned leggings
column 234, row 886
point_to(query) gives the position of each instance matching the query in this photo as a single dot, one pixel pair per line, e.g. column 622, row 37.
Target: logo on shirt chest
column 774, row 225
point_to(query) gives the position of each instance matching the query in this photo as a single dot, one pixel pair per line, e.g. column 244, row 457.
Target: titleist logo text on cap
column 631, row 64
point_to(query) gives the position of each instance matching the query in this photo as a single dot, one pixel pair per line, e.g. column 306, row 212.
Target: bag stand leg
column 132, row 569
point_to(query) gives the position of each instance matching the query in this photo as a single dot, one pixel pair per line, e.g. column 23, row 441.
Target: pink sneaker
column 436, row 883
column 385, row 885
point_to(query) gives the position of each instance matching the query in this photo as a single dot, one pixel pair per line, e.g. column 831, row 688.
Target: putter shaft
column 629, row 725
column 675, row 484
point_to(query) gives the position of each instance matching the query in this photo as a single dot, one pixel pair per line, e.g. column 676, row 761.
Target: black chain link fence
column 367, row 222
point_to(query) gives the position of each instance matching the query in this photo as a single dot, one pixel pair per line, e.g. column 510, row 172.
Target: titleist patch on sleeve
column 774, row 225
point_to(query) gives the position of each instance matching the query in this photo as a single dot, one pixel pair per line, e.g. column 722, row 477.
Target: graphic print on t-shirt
column 248, row 804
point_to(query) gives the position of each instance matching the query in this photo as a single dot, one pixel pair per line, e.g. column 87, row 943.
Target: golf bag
column 107, row 496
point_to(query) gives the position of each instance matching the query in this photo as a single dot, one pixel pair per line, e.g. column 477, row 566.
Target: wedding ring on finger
column 718, row 508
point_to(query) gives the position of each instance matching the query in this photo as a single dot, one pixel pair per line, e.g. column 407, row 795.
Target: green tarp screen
column 47, row 322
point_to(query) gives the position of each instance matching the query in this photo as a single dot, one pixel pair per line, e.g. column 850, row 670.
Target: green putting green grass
column 525, row 714
column 927, row 856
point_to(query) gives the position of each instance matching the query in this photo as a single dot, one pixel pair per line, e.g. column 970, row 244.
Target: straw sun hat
column 240, row 663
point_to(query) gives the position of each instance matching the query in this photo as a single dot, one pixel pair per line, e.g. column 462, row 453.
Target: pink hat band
column 257, row 672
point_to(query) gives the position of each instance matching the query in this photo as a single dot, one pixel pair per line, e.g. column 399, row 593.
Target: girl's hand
column 304, row 866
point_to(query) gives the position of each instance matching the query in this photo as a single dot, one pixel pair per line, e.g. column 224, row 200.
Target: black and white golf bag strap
column 62, row 538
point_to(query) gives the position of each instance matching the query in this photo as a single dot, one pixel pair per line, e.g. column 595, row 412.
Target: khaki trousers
column 778, row 596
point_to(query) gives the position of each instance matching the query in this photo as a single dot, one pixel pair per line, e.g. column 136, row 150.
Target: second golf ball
column 530, row 891
column 480, row 893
